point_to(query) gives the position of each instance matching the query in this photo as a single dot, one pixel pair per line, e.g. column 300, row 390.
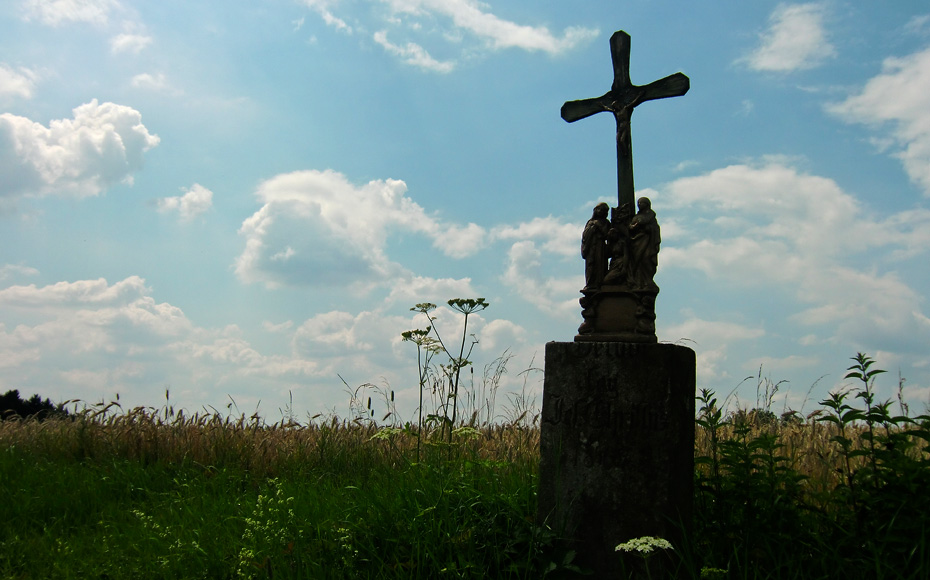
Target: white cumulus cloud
column 316, row 227
column 899, row 99
column 796, row 39
column 324, row 9
column 19, row 82
column 73, row 293
column 91, row 339
column 499, row 335
column 157, row 82
column 128, row 42
column 102, row 145
column 10, row 270
column 413, row 54
column 56, row 12
column 710, row 339
column 526, row 275
column 557, row 236
column 473, row 17
column 410, row 290
column 195, row 202
column 420, row 29
column 770, row 225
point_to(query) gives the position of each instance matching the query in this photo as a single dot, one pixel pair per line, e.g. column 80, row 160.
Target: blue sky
column 242, row 200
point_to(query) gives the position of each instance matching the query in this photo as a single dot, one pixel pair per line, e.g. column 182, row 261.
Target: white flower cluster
column 644, row 545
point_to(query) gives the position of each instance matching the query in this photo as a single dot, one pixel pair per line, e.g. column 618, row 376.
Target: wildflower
column 468, row 305
column 466, row 432
column 644, row 545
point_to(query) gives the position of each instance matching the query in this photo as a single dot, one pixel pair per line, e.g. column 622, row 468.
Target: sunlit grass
column 150, row 493
column 155, row 493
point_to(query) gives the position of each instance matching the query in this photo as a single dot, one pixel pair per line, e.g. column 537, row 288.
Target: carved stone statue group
column 623, row 251
column 621, row 255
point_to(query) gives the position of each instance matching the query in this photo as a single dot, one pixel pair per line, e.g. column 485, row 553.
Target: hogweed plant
column 466, row 306
column 426, row 348
column 430, row 342
column 645, row 547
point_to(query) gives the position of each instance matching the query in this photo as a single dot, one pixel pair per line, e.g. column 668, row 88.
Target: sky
column 239, row 202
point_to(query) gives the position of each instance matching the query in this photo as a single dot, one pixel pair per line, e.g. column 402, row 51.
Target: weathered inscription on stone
column 606, row 414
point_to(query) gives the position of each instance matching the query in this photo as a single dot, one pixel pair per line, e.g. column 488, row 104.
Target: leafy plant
column 841, row 493
column 429, row 344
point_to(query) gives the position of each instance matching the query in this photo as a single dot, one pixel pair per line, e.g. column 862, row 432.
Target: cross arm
column 576, row 110
column 674, row 85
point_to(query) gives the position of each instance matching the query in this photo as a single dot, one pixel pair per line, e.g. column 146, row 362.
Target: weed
column 793, row 499
column 447, row 384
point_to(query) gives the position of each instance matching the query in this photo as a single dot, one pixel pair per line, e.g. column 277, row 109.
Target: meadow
column 153, row 493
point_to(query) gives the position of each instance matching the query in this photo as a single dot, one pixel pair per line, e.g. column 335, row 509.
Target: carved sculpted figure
column 616, row 245
column 644, row 247
column 594, row 247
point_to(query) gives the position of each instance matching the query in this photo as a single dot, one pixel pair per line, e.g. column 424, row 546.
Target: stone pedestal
column 618, row 314
column 617, row 446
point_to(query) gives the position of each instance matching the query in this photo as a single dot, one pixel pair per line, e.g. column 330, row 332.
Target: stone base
column 616, row 314
column 617, row 446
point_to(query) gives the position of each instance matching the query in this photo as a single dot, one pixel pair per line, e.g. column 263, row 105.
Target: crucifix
column 620, row 100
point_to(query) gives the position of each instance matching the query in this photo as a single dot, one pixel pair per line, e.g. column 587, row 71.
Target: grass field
column 154, row 493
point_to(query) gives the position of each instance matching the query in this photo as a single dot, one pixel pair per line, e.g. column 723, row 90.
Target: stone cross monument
column 617, row 441
column 620, row 100
column 619, row 293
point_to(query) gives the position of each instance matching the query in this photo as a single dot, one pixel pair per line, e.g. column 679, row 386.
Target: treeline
column 11, row 405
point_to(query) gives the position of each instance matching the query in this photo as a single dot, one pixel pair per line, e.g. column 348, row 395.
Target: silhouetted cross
column 620, row 100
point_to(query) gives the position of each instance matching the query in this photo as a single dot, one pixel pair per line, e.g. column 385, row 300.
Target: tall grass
column 110, row 493
column 158, row 493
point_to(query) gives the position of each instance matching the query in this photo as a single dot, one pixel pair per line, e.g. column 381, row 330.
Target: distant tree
column 11, row 405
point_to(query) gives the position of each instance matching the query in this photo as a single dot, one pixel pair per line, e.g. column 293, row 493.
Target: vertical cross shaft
column 620, row 100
